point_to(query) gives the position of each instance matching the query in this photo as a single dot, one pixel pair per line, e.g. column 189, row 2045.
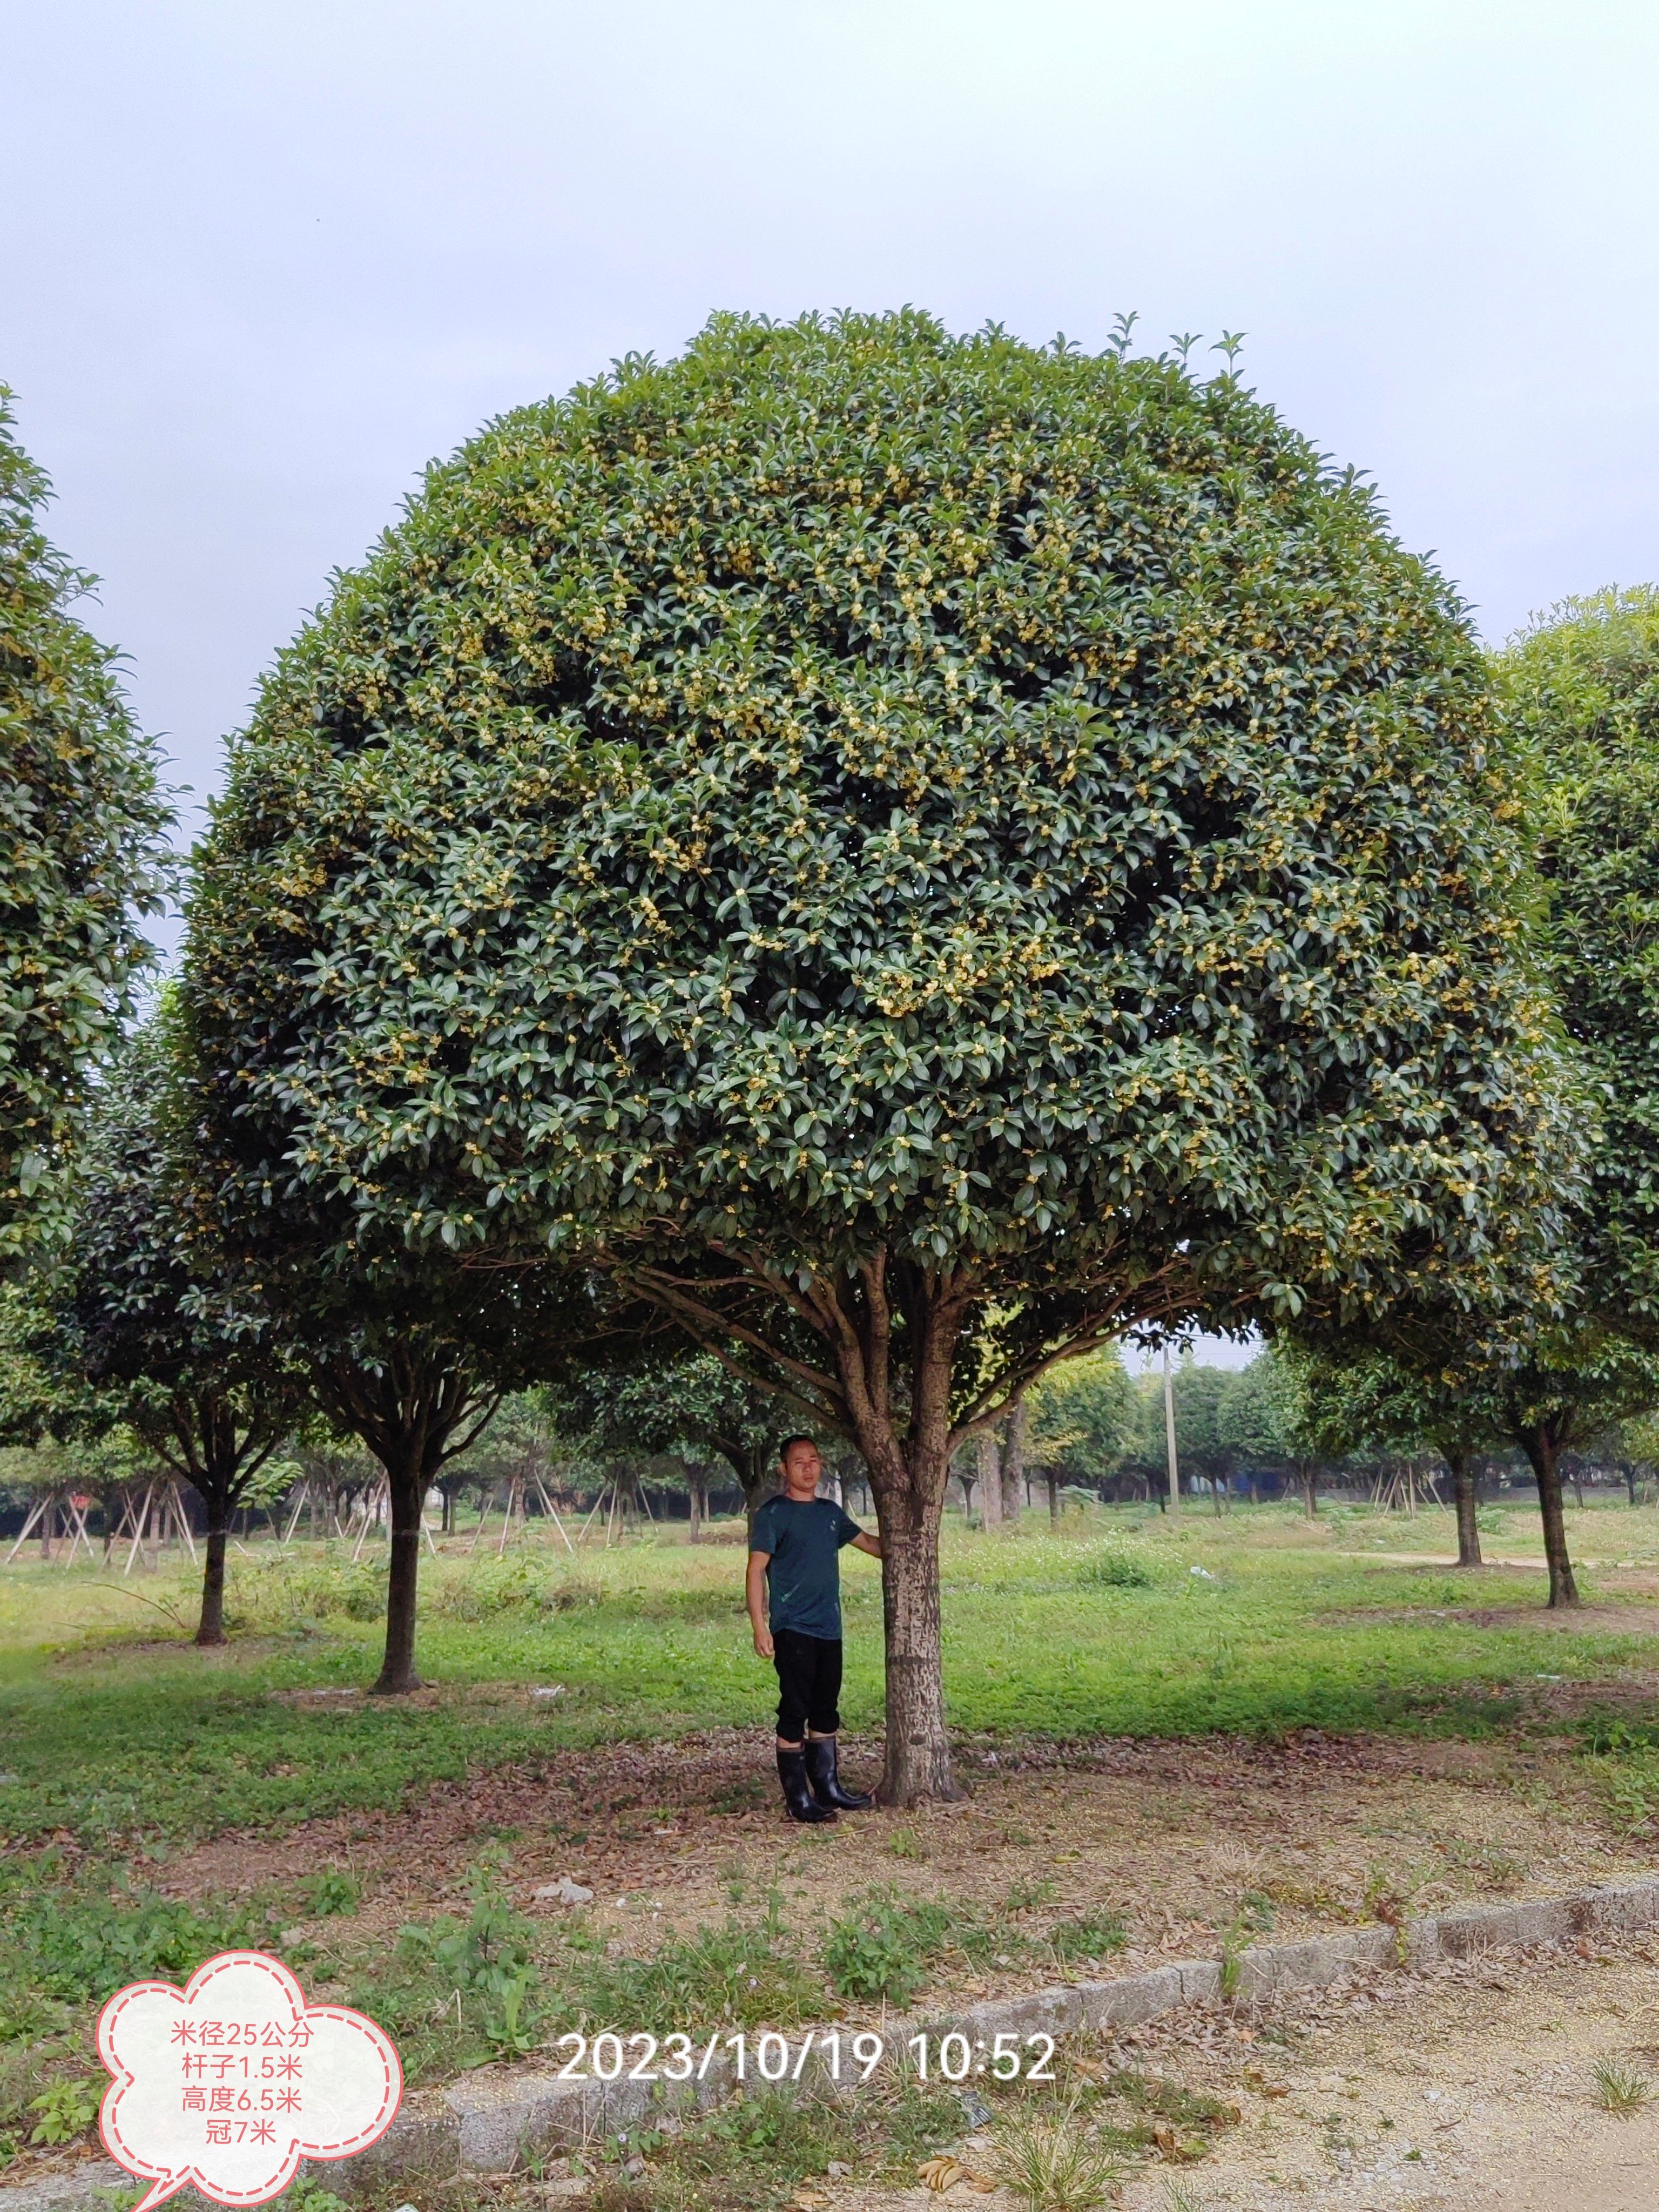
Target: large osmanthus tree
column 83, row 859
column 932, row 852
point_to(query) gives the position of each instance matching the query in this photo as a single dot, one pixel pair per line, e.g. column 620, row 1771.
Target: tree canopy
column 930, row 851
column 83, row 819
column 1582, row 687
column 1573, row 1348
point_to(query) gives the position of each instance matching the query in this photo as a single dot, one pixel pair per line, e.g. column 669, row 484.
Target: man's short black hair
column 789, row 1444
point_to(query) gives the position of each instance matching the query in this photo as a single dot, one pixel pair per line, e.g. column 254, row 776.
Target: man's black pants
column 809, row 1683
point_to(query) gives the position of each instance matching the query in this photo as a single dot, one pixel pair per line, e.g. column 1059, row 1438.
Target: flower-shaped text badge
column 230, row 2082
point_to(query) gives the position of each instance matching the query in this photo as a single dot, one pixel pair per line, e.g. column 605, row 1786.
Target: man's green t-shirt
column 803, row 1576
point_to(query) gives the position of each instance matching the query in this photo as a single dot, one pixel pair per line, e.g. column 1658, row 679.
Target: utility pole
column 1168, row 1439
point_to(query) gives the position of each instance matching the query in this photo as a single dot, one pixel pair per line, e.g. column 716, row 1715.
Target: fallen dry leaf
column 1171, row 2149
column 1256, row 2079
column 944, row 2172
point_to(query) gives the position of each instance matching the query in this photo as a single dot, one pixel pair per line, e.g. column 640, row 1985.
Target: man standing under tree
column 794, row 1559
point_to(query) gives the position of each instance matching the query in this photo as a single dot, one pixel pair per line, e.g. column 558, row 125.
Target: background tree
column 1582, row 688
column 1634, row 1449
column 1374, row 1401
column 1263, row 1419
column 336, row 1467
column 1563, row 1384
column 1575, row 1351
column 1082, row 1420
column 400, row 1346
column 1202, row 1446
column 413, row 1363
column 679, row 1397
column 83, row 857
column 519, row 1446
column 197, row 1380
column 40, row 1397
column 937, row 852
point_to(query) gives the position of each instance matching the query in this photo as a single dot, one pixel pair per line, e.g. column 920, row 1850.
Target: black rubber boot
column 823, row 1773
column 792, row 1772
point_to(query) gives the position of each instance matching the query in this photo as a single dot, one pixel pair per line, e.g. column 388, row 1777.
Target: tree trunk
column 918, row 1746
column 210, row 1629
column 1310, row 1480
column 217, row 1481
column 1542, row 1446
column 1014, row 1462
column 416, row 1411
column 1461, row 1464
column 406, row 1484
column 908, row 1473
column 990, row 1479
column 760, row 1482
column 1053, row 1481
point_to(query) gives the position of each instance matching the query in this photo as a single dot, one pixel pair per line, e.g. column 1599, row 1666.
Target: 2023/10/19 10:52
column 952, row 2055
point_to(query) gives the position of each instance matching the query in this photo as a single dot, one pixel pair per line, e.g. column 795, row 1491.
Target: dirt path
column 1467, row 2091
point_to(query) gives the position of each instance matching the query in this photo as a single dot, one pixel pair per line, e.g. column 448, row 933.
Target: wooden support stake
column 371, row 1514
column 181, row 1521
column 78, row 1535
column 39, row 1509
column 139, row 1519
column 552, row 1513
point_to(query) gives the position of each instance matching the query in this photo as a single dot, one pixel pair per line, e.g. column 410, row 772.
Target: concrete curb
column 483, row 2126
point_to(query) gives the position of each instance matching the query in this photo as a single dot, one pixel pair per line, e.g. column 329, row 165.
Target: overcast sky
column 263, row 260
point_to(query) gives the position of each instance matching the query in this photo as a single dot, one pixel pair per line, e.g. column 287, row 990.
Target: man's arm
column 753, row 1597
column 862, row 1542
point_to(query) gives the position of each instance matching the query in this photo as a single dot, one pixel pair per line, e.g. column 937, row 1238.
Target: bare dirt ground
column 1175, row 1839
column 1468, row 2089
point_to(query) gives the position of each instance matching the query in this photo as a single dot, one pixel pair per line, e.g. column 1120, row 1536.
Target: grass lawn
column 117, row 1732
column 1271, row 1694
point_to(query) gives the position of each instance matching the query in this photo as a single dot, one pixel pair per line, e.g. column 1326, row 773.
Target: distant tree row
column 1290, row 1425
